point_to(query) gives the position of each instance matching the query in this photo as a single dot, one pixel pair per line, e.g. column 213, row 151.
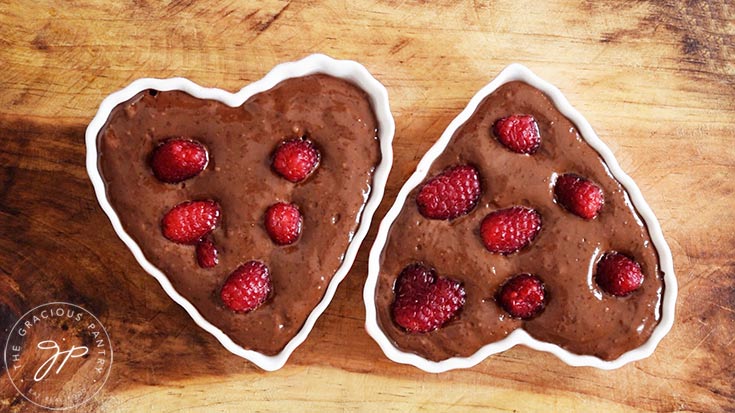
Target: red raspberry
column 508, row 230
column 522, row 296
column 424, row 302
column 283, row 222
column 207, row 254
column 189, row 221
column 519, row 133
column 247, row 287
column 295, row 159
column 178, row 159
column 618, row 275
column 452, row 193
column 580, row 196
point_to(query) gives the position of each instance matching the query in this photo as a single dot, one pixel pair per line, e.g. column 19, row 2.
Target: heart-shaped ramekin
column 317, row 63
column 515, row 72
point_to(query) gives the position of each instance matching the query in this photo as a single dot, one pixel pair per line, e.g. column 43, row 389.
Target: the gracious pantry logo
column 58, row 356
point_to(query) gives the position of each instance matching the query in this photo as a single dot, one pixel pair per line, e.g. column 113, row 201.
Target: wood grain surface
column 656, row 79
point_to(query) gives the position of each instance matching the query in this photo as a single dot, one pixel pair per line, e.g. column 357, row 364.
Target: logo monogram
column 58, row 356
column 74, row 352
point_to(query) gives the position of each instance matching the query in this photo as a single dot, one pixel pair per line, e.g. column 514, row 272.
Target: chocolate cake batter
column 335, row 114
column 578, row 315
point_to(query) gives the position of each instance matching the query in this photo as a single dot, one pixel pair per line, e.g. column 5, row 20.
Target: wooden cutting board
column 655, row 79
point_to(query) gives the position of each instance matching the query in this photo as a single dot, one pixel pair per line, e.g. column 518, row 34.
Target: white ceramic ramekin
column 317, row 63
column 512, row 73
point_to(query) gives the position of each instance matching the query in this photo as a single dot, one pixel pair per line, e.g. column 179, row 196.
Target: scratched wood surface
column 655, row 78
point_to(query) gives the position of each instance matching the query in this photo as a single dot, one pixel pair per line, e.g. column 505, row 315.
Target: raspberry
column 579, row 195
column 508, row 230
column 190, row 221
column 296, row 159
column 178, row 159
column 425, row 302
column 618, row 275
column 207, row 254
column 519, row 133
column 247, row 287
column 283, row 222
column 451, row 194
column 522, row 296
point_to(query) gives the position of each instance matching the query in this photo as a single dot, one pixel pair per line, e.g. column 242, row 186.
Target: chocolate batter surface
column 335, row 114
column 578, row 315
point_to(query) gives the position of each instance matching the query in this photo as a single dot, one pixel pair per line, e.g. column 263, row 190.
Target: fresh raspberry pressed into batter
column 207, row 254
column 178, row 159
column 519, row 133
column 451, row 194
column 522, row 296
column 283, row 222
column 618, row 275
column 296, row 159
column 425, row 302
column 190, row 221
column 508, row 230
column 247, row 287
column 579, row 195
